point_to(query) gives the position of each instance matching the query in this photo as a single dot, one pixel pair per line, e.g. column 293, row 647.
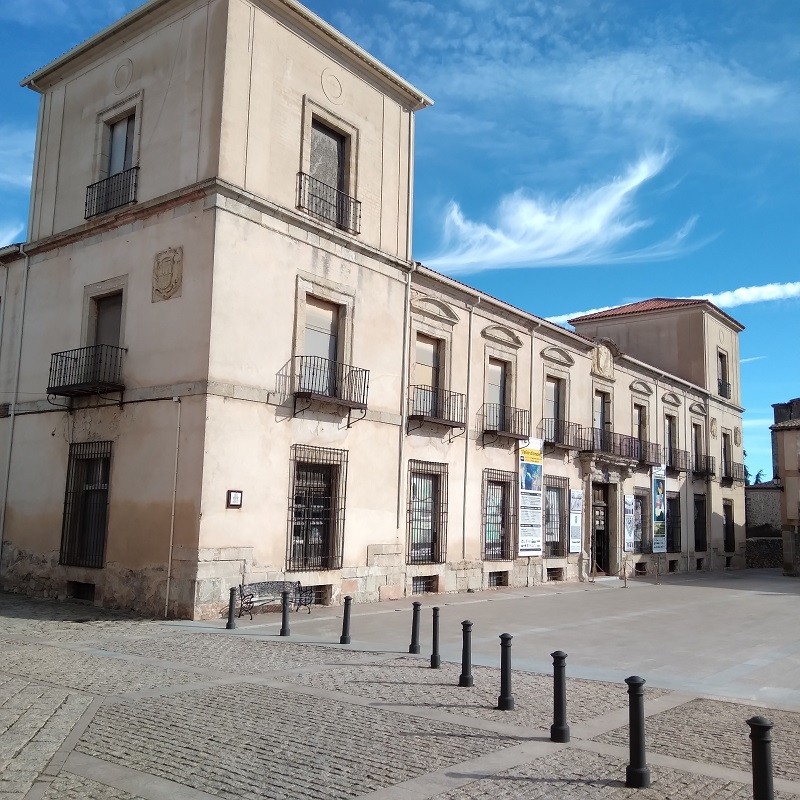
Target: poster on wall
column 575, row 520
column 659, row 510
column 530, row 499
column 629, row 526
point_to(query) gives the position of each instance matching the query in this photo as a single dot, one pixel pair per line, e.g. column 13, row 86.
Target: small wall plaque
column 234, row 498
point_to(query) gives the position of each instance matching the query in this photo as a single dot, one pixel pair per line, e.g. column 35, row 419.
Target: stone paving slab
column 74, row 787
column 716, row 732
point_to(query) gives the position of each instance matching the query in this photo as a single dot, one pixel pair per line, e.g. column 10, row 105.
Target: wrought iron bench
column 266, row 593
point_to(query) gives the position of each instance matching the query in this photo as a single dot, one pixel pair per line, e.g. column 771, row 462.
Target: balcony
column 86, row 371
column 506, row 421
column 704, row 466
column 328, row 203
column 677, row 460
column 560, row 433
column 648, row 452
column 724, row 389
column 329, row 381
column 598, row 440
column 112, row 192
column 731, row 472
column 428, row 404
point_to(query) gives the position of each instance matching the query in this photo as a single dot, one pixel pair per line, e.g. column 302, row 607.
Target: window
column 316, row 508
column 556, row 516
column 499, row 514
column 84, row 527
column 497, row 413
column 107, row 319
column 698, row 448
column 427, row 512
column 601, row 421
column 670, row 438
column 673, row 522
column 120, row 145
column 641, row 521
column 426, row 376
column 727, row 526
column 727, row 461
column 723, row 378
column 639, row 425
column 700, row 537
column 553, row 429
column 321, row 346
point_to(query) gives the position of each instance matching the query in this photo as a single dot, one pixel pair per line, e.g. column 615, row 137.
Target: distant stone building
column 787, row 449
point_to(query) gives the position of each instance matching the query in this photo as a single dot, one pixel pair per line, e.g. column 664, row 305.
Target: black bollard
column 505, row 702
column 285, row 612
column 559, row 730
column 637, row 775
column 345, row 637
column 761, row 736
column 436, row 660
column 231, row 610
column 414, row 646
column 465, row 678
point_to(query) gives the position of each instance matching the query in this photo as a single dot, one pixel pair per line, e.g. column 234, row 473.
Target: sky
column 580, row 154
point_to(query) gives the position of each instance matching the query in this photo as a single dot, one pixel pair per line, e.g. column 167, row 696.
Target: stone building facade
column 786, row 435
column 225, row 364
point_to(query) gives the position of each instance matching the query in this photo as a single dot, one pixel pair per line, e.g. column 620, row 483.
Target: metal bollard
column 345, row 637
column 436, row 660
column 285, row 613
column 761, row 737
column 637, row 774
column 559, row 730
column 465, row 678
column 505, row 702
column 414, row 646
column 231, row 610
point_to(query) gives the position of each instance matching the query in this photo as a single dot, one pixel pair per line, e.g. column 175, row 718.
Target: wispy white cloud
column 10, row 232
column 732, row 298
column 585, row 228
column 751, row 359
column 16, row 156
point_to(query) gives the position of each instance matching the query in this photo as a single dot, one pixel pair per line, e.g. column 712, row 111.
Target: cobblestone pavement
column 109, row 707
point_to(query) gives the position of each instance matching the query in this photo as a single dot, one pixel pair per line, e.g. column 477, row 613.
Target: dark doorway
column 601, row 538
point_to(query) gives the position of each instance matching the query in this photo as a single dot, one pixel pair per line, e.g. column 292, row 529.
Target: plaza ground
column 107, row 706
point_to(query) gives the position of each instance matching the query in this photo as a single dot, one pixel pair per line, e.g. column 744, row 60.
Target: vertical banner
column 629, row 526
column 659, row 510
column 575, row 520
column 530, row 499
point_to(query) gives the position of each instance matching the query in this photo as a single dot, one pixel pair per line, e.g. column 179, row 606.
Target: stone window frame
column 638, row 400
column 606, row 388
column 443, row 333
column 508, row 354
column 562, row 375
column 104, row 120
column 97, row 291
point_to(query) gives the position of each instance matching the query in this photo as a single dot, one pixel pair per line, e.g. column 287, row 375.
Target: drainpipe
column 403, row 394
column 466, row 432
column 174, row 497
column 15, row 396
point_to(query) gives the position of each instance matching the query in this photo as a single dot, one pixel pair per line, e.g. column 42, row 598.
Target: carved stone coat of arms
column 167, row 274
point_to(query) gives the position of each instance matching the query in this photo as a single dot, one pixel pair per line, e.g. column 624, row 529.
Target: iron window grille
column 112, row 192
column 648, row 452
column 673, row 522
column 642, row 512
column 704, row 466
column 86, row 370
column 556, row 516
column 560, row 432
column 499, row 514
column 724, row 389
column 85, row 523
column 677, row 460
column 700, row 526
column 428, row 404
column 427, row 512
column 514, row 423
column 319, row 378
column 328, row 203
column 727, row 524
column 317, row 501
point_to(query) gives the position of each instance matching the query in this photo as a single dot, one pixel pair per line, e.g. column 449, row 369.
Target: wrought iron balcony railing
column 724, row 389
column 112, row 192
column 648, row 452
column 321, row 379
column 86, row 370
column 513, row 423
column 732, row 471
column 328, row 203
column 560, row 432
column 428, row 404
column 704, row 466
column 678, row 460
column 599, row 440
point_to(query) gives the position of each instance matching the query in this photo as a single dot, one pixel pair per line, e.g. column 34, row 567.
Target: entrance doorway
column 601, row 538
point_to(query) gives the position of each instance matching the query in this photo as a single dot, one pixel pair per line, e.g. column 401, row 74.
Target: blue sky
column 580, row 154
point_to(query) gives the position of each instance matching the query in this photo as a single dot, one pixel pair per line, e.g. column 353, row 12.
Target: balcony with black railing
column 324, row 380
column 328, row 203
column 648, row 452
column 112, row 192
column 86, row 371
column 560, row 433
column 731, row 472
column 440, row 406
column 600, row 440
column 506, row 421
column 704, row 466
column 677, row 460
column 724, row 389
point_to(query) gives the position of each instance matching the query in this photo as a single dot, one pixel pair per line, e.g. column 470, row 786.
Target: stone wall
column 762, row 508
column 764, row 552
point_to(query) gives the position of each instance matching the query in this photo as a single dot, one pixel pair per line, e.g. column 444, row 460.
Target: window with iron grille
column 83, row 531
column 316, row 508
column 642, row 512
column 700, row 529
column 499, row 514
column 727, row 524
column 556, row 516
column 673, row 522
column 427, row 512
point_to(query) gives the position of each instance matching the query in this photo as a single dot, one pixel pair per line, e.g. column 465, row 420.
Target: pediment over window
column 640, row 387
column 501, row 335
column 671, row 399
column 558, row 356
column 698, row 408
column 437, row 309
